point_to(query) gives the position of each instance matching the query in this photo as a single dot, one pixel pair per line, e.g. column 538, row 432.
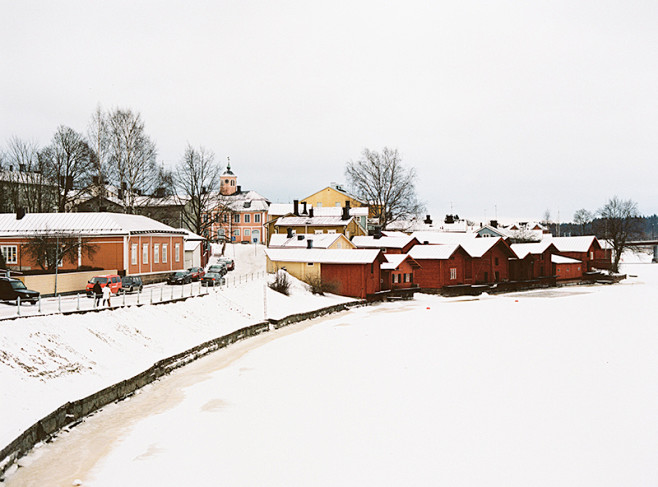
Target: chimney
column 346, row 213
column 378, row 232
column 20, row 213
column 295, row 207
column 428, row 220
column 309, row 243
column 239, row 189
column 494, row 223
column 448, row 219
column 289, row 232
column 310, row 212
column 304, row 208
column 347, row 203
column 300, row 237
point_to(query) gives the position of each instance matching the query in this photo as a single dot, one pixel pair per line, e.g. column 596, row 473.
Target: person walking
column 106, row 295
column 97, row 291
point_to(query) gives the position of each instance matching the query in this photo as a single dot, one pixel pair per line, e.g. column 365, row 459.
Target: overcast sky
column 514, row 106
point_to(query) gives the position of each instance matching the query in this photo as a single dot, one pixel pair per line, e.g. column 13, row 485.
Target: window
column 453, row 273
column 133, row 254
column 318, row 205
column 591, row 256
column 309, row 263
column 145, row 254
column 495, row 260
column 225, row 219
column 396, row 278
column 236, row 218
column 165, row 247
column 319, row 232
column 177, row 252
column 247, row 218
column 156, row 253
column 247, row 232
column 338, row 204
column 331, row 231
column 236, row 232
column 257, row 218
column 10, row 254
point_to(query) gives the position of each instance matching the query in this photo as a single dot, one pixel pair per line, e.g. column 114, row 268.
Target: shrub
column 317, row 286
column 281, row 283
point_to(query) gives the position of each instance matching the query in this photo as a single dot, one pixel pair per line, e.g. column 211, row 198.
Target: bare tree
column 582, row 217
column 48, row 248
column 386, row 184
column 98, row 136
column 67, row 160
column 197, row 181
column 619, row 222
column 131, row 156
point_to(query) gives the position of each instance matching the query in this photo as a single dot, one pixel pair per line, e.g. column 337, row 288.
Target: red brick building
column 566, row 268
column 489, row 260
column 398, row 271
column 586, row 249
column 533, row 260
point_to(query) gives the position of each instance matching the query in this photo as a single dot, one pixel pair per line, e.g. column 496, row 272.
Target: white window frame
column 156, row 253
column 236, row 218
column 10, row 253
column 165, row 248
column 177, row 252
column 453, row 273
column 247, row 218
column 236, row 232
column 257, row 218
column 133, row 254
column 247, row 232
column 145, row 253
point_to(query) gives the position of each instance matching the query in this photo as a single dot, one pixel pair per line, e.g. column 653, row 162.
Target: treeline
column 115, row 150
column 647, row 228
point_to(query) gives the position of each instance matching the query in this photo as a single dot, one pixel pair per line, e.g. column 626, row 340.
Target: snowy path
column 515, row 390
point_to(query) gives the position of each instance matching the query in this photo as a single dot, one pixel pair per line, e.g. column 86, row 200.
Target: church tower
column 228, row 185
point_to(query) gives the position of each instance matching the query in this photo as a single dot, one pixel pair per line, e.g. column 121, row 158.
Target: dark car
column 196, row 273
column 230, row 263
column 12, row 289
column 131, row 284
column 218, row 268
column 212, row 279
column 180, row 277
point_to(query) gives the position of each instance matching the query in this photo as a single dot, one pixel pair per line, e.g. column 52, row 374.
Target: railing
column 155, row 294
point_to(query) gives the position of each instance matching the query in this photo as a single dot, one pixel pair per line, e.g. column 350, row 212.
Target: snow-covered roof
column 324, row 256
column 559, row 259
column 477, row 247
column 154, row 201
column 314, row 221
column 432, row 252
column 280, row 209
column 442, row 238
column 523, row 249
column 244, row 201
column 573, row 244
column 189, row 235
column 394, row 233
column 338, row 211
column 191, row 245
column 393, row 261
column 81, row 223
column 320, row 240
column 370, row 242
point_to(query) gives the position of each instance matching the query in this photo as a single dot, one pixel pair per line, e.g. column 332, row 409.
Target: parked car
column 12, row 289
column 230, row 263
column 196, row 273
column 112, row 280
column 131, row 284
column 218, row 268
column 180, row 277
column 212, row 279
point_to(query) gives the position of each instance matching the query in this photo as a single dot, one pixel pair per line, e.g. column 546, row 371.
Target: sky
column 504, row 108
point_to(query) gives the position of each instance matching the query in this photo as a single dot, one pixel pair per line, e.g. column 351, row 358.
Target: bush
column 317, row 286
column 281, row 283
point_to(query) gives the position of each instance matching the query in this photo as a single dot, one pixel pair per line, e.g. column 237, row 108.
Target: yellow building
column 310, row 240
column 331, row 196
column 345, row 224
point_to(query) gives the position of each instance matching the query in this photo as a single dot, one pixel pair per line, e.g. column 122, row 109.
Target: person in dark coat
column 98, row 292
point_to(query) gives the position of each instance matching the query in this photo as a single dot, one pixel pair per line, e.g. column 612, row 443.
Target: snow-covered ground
column 46, row 361
column 549, row 387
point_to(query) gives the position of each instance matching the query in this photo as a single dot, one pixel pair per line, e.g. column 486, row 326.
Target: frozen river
column 516, row 390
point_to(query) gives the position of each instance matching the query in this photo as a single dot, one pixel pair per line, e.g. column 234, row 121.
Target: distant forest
column 648, row 228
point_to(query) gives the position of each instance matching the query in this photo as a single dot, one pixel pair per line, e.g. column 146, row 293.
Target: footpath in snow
column 47, row 361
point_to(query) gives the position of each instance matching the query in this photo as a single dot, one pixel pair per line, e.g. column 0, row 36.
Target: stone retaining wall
column 72, row 413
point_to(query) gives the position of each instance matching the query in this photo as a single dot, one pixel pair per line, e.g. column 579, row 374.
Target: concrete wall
column 66, row 283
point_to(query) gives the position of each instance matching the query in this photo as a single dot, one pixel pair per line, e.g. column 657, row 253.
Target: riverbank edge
column 72, row 413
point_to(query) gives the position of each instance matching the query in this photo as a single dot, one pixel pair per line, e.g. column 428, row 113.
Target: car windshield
column 101, row 280
column 180, row 274
column 18, row 285
column 211, row 275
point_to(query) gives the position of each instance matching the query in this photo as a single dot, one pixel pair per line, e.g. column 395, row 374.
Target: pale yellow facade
column 301, row 270
column 329, row 197
column 349, row 231
column 342, row 243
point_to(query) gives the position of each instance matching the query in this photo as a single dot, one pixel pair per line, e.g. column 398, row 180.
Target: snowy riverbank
column 47, row 361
